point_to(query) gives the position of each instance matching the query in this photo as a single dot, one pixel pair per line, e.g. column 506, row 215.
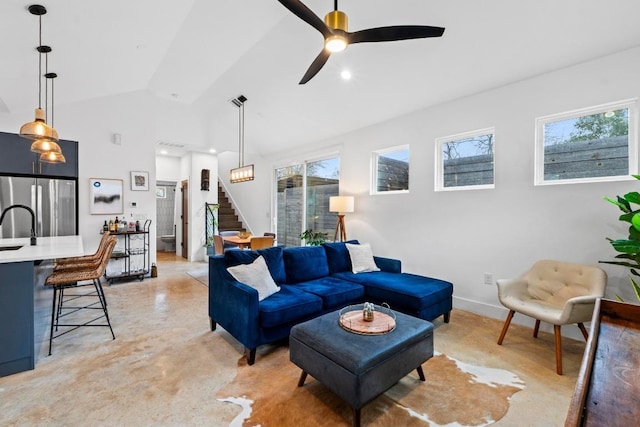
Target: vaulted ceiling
column 202, row 53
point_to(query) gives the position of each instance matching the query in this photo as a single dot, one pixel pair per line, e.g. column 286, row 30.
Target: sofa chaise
column 313, row 280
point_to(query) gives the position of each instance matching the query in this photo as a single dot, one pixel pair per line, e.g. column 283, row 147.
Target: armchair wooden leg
column 536, row 329
column 556, row 330
column 584, row 331
column 506, row 326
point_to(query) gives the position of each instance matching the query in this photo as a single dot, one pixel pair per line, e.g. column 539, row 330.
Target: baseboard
column 500, row 313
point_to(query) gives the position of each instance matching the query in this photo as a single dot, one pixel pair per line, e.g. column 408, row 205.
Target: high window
column 390, row 170
column 588, row 145
column 302, row 199
column 465, row 161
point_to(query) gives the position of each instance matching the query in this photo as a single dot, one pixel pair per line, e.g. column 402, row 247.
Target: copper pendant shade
column 52, row 157
column 44, row 146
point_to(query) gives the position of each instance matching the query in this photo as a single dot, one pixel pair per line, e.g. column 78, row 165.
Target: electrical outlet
column 488, row 279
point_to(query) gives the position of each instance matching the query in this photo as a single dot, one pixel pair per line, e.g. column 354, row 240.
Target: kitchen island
column 17, row 293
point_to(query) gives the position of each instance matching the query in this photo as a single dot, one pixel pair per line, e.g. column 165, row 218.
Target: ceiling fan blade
column 316, row 66
column 393, row 33
column 303, row 12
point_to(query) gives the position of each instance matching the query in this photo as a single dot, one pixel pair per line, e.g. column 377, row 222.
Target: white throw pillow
column 361, row 258
column 257, row 276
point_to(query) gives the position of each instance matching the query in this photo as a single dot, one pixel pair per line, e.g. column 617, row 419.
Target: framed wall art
column 139, row 181
column 105, row 196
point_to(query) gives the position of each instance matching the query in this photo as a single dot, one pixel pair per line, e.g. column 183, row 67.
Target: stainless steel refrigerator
column 54, row 201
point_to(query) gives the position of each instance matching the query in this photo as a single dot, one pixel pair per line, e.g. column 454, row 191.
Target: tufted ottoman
column 358, row 368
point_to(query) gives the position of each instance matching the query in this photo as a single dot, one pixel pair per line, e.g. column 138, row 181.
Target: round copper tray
column 383, row 322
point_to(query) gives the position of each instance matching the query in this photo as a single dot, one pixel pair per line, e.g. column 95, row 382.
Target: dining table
column 242, row 243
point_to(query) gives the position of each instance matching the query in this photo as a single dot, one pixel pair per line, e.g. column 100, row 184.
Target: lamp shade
column 52, row 157
column 38, row 129
column 44, row 146
column 341, row 204
column 241, row 174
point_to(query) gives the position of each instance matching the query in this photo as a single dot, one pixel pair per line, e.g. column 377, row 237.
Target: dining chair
column 555, row 292
column 72, row 279
column 261, row 242
column 218, row 244
column 229, row 233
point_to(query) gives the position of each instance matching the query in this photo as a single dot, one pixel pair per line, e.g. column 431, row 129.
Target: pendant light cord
column 39, row 62
column 46, row 89
column 241, row 134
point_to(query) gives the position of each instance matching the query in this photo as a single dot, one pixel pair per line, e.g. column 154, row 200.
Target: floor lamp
column 341, row 205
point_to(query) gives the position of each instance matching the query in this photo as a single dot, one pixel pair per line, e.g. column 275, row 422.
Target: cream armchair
column 555, row 292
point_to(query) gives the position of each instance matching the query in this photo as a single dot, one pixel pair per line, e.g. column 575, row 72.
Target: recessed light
column 164, row 152
column 345, row 74
column 212, row 150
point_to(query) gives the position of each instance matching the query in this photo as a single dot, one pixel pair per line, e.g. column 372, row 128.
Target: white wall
column 198, row 198
column 167, row 168
column 460, row 235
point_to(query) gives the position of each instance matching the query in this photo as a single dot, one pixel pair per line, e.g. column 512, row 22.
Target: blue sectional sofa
column 313, row 280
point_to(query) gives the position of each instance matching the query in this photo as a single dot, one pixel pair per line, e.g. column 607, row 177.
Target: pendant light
column 39, row 128
column 55, row 154
column 43, row 145
column 242, row 173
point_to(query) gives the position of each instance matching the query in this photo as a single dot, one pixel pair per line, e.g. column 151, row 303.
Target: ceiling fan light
column 38, row 129
column 44, row 146
column 335, row 43
column 52, row 157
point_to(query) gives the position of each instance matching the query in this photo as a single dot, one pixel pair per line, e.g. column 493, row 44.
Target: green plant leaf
column 626, row 217
column 623, row 206
column 622, row 263
column 634, row 234
column 633, row 197
column 626, row 246
column 626, row 256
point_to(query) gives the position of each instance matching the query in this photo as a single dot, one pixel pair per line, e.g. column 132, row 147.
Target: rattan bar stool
column 71, row 278
column 85, row 261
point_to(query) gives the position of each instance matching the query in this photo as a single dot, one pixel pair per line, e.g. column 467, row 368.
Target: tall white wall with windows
column 461, row 235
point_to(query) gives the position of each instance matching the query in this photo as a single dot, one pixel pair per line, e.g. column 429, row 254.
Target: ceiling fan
column 337, row 38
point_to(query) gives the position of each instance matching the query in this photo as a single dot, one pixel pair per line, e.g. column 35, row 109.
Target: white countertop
column 46, row 248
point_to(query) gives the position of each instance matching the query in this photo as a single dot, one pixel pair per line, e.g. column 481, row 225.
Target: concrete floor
column 165, row 366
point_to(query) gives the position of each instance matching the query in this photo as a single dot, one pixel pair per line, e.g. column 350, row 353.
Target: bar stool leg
column 53, row 317
column 103, row 301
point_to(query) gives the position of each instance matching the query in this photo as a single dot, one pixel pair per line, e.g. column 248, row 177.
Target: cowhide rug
column 454, row 394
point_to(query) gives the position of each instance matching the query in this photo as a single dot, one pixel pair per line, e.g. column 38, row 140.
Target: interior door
column 185, row 219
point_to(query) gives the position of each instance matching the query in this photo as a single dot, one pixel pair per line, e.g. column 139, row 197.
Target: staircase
column 227, row 218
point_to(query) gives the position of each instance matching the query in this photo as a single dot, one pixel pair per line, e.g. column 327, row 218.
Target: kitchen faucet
column 33, row 220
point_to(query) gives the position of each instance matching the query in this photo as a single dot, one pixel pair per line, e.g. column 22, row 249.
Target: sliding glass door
column 302, row 199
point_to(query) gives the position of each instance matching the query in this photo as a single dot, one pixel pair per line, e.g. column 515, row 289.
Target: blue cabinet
column 18, row 159
column 16, row 317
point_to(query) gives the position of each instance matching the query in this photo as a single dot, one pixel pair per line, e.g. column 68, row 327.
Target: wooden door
column 185, row 219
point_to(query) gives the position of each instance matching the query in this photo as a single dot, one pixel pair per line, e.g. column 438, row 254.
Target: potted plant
column 312, row 238
column 629, row 248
